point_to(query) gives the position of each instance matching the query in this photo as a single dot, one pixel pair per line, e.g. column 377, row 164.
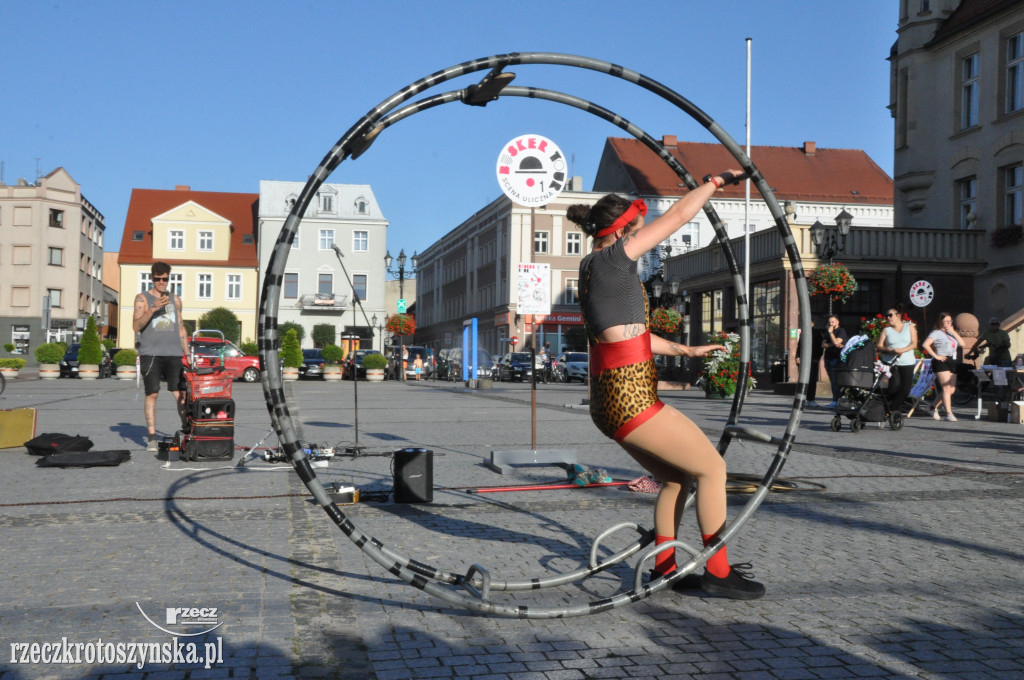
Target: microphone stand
column 356, row 449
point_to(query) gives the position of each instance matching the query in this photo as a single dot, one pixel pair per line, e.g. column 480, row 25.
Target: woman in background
column 899, row 337
column 941, row 345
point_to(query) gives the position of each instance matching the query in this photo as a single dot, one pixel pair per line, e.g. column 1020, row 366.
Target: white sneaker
column 935, row 415
column 951, row 418
column 152, row 446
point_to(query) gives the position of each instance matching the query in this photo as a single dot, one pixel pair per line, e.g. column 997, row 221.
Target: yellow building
column 208, row 239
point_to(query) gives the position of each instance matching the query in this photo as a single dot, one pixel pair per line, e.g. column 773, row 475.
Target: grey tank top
column 160, row 337
column 611, row 293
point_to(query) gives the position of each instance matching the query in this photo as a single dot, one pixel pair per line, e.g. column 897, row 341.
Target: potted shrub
column 125, row 362
column 90, row 353
column 291, row 355
column 10, row 366
column 332, row 358
column 49, row 355
column 9, row 347
column 374, row 365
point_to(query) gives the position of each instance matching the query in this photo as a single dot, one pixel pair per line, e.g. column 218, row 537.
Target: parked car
column 454, row 361
column 353, row 363
column 69, row 364
column 443, row 369
column 515, row 367
column 573, row 365
column 395, row 362
column 312, row 363
column 238, row 364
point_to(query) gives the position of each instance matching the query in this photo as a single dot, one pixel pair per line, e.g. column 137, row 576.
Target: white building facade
column 315, row 289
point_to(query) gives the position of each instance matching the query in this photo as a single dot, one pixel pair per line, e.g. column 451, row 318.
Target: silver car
column 574, row 364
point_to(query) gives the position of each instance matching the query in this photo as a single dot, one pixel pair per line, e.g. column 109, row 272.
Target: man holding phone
column 162, row 342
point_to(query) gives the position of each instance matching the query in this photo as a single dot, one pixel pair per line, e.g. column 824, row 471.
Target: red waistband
column 608, row 355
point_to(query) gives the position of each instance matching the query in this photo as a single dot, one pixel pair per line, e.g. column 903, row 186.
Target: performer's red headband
column 625, row 218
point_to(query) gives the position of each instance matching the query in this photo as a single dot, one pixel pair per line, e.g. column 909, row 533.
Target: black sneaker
column 737, row 585
column 689, row 582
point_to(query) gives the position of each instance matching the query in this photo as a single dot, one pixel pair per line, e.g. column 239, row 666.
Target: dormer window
column 325, row 200
column 361, row 206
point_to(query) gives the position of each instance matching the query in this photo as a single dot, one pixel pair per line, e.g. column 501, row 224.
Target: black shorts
column 949, row 365
column 157, row 369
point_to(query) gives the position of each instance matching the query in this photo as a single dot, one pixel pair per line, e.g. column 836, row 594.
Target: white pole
column 746, row 205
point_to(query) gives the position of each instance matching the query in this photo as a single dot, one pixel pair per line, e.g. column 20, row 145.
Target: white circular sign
column 531, row 170
column 921, row 293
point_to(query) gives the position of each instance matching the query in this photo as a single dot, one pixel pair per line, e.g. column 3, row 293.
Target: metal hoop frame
column 478, row 580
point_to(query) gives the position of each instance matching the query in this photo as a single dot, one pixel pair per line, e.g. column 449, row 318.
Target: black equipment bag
column 212, row 408
column 54, row 442
column 85, row 459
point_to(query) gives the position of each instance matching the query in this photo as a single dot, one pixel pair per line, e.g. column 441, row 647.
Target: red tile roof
column 145, row 204
column 802, row 173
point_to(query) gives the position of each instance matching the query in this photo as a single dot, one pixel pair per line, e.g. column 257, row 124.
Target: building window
column 206, row 241
column 540, row 242
column 204, row 289
column 766, row 325
column 967, row 192
column 145, row 281
column 55, row 296
column 325, row 284
column 572, row 292
column 360, row 206
column 360, row 241
column 1013, row 193
column 175, row 285
column 326, row 239
column 326, row 203
column 57, row 218
column 295, row 241
column 1015, row 73
column 57, row 257
column 291, row 285
column 573, row 243
column 137, row 235
column 234, row 287
column 359, row 286
column 176, row 240
column 969, row 91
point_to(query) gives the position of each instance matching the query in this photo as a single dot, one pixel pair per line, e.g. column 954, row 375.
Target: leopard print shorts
column 623, row 398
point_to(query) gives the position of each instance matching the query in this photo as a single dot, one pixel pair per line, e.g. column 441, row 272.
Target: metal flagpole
column 746, row 205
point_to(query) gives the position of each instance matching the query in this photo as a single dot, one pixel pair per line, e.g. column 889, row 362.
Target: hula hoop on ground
column 478, row 582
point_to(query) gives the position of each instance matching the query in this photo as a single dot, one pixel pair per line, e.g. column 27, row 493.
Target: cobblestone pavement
column 907, row 564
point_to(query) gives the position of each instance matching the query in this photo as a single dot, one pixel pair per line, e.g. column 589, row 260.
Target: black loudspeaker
column 414, row 476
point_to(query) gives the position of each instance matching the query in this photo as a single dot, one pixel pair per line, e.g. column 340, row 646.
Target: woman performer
column 624, row 397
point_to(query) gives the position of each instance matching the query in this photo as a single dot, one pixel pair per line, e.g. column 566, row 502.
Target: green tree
column 283, row 328
column 332, row 354
column 291, row 355
column 323, row 334
column 224, row 320
column 91, row 351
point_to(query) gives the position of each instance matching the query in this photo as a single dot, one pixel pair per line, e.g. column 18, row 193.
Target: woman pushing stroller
column 624, row 397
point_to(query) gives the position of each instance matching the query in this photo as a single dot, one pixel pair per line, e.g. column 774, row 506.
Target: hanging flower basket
column 401, row 324
column 721, row 369
column 1007, row 236
column 665, row 321
column 834, row 280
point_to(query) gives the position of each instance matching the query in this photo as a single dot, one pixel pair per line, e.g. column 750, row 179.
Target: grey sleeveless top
column 611, row 293
column 161, row 337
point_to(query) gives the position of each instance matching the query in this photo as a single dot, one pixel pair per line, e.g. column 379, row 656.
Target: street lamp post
column 400, row 274
column 826, row 243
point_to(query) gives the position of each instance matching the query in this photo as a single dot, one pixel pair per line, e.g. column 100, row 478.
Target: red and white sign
column 534, row 288
column 531, row 170
column 513, row 341
column 921, row 293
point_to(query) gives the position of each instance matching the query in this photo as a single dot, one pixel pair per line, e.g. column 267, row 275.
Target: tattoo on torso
column 634, row 330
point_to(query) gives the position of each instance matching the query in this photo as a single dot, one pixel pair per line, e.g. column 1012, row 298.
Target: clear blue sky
column 220, row 95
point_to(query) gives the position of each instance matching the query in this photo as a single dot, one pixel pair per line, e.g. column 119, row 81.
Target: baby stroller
column 863, row 390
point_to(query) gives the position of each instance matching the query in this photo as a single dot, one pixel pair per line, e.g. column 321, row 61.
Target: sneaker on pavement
column 152, row 446
column 737, row 585
column 950, row 417
column 832, row 404
column 935, row 415
column 689, row 582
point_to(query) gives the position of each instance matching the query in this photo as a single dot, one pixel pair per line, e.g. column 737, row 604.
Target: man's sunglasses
column 161, row 278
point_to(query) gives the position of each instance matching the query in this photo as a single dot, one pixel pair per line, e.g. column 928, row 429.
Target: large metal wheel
column 478, row 581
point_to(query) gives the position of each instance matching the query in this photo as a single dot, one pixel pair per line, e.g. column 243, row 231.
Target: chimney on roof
column 182, row 187
column 810, row 148
column 668, row 140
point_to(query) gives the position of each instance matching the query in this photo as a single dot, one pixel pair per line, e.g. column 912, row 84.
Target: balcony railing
column 323, row 302
column 943, row 247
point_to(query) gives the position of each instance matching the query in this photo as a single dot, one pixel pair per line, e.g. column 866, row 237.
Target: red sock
column 717, row 564
column 664, row 562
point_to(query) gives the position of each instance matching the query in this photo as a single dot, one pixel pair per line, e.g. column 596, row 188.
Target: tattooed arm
column 668, row 348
